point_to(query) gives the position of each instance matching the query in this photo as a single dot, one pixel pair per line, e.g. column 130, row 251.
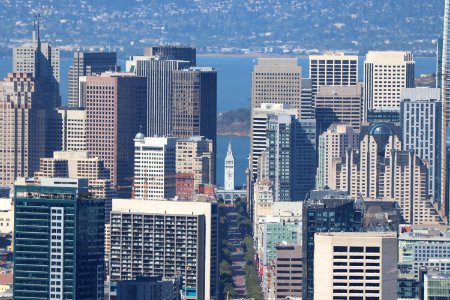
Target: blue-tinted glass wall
column 58, row 241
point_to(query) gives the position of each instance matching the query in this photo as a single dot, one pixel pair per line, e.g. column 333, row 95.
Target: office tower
column 175, row 239
column 288, row 271
column 23, row 126
column 195, row 165
column 277, row 81
column 291, row 162
column 194, row 103
column 58, row 253
column 158, row 72
column 355, row 264
column 78, row 164
column 423, row 246
column 421, row 117
column 379, row 169
column 173, row 52
column 332, row 144
column 154, row 167
column 386, row 73
column 73, row 129
column 229, row 170
column 149, row 288
column 333, row 68
column 325, row 212
column 116, row 105
column 445, row 86
column 307, row 100
column 260, row 117
column 336, row 104
column 87, row 64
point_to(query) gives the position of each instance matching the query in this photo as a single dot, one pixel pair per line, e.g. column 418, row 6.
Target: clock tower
column 229, row 170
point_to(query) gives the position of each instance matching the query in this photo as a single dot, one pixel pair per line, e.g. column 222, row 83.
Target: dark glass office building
column 325, row 213
column 58, row 240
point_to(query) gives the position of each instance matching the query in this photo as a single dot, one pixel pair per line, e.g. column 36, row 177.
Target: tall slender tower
column 229, row 170
column 445, row 87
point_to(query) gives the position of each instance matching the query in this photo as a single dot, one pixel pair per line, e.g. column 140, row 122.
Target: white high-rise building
column 259, row 128
column 362, row 265
column 229, row 170
column 167, row 238
column 421, row 117
column 333, row 68
column 386, row 74
column 154, row 167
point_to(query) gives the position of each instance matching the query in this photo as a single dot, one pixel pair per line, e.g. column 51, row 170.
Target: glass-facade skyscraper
column 58, row 240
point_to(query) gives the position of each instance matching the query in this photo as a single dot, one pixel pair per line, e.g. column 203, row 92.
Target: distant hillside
column 228, row 26
column 234, row 122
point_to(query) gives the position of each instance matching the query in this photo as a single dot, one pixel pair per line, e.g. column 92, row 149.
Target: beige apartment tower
column 333, row 144
column 277, row 80
column 386, row 74
column 355, row 265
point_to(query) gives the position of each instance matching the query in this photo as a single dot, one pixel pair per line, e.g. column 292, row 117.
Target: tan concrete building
column 332, row 144
column 23, row 127
column 194, row 160
column 277, row 80
column 379, row 169
column 334, row 104
column 386, row 74
column 6, row 215
column 333, row 68
column 73, row 129
column 116, row 105
column 287, row 269
column 350, row 265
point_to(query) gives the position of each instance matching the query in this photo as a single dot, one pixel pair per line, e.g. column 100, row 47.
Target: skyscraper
column 158, row 72
column 421, row 117
column 379, row 169
column 154, row 167
column 23, row 126
column 115, row 110
column 333, row 68
column 58, row 253
column 260, row 117
column 194, row 103
column 445, row 88
column 338, row 104
column 291, row 157
column 277, row 81
column 332, row 144
column 175, row 239
column 386, row 73
column 173, row 52
column 362, row 264
column 86, row 64
column 229, row 170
